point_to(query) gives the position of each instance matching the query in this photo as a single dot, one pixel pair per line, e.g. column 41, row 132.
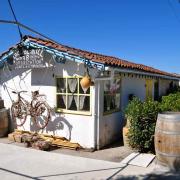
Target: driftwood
column 42, row 141
column 42, row 145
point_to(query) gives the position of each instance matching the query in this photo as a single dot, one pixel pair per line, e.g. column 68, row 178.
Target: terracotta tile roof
column 106, row 60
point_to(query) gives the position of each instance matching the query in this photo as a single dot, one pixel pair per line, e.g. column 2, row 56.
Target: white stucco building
column 92, row 117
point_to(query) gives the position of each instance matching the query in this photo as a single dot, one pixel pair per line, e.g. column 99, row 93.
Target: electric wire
column 174, row 11
column 19, row 30
column 33, row 31
column 29, row 29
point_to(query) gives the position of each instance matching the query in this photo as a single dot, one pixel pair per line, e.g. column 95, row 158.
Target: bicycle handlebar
column 18, row 92
column 39, row 95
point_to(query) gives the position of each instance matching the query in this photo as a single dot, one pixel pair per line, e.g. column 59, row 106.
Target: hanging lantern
column 86, row 80
column 20, row 48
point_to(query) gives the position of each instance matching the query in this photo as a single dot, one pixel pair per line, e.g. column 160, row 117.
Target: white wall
column 132, row 85
column 77, row 128
column 163, row 86
column 111, row 126
column 176, row 83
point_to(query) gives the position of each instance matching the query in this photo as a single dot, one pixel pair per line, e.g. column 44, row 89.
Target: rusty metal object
column 39, row 110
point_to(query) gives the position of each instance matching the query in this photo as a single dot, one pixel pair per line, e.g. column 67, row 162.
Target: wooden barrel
column 1, row 103
column 3, row 122
column 167, row 139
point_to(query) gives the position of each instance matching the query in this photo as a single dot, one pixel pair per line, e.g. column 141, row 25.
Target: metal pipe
column 95, row 117
column 98, row 117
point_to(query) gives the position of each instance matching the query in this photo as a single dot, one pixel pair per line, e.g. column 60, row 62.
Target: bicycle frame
column 35, row 108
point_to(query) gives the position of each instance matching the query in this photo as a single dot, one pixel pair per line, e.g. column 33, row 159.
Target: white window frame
column 117, row 109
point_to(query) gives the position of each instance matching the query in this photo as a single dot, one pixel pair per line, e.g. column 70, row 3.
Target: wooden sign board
column 33, row 58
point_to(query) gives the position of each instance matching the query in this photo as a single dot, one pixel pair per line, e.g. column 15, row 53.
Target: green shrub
column 142, row 117
column 170, row 102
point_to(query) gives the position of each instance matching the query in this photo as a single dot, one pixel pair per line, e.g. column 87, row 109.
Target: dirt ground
column 115, row 152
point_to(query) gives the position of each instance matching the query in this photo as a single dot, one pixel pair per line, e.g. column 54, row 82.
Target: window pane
column 107, row 101
column 72, row 103
column 117, row 103
column 83, row 90
column 61, row 85
column 113, row 87
column 112, row 103
column 72, row 85
column 112, row 94
column 69, row 99
column 107, row 87
column 118, row 85
column 61, row 101
column 84, row 103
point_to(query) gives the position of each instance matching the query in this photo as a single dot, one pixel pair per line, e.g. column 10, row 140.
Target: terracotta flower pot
column 125, row 136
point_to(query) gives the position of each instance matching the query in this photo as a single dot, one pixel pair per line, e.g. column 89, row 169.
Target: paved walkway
column 24, row 163
column 115, row 152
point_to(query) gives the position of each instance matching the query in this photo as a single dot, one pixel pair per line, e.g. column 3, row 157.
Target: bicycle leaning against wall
column 38, row 109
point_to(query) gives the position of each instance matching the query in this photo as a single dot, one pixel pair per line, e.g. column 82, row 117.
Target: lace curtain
column 72, row 99
column 61, row 85
column 107, row 102
column 72, row 83
column 84, row 89
column 64, row 99
column 81, row 102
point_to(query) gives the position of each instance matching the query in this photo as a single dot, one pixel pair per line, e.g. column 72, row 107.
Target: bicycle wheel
column 19, row 113
column 42, row 115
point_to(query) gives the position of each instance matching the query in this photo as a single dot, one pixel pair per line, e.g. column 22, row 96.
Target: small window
column 112, row 95
column 71, row 97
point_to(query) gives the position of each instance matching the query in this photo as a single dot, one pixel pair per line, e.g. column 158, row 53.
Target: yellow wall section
column 149, row 86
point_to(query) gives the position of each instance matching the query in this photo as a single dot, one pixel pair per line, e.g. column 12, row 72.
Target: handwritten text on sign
column 29, row 59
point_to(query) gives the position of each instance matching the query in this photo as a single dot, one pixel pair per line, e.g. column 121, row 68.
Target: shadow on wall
column 42, row 77
column 56, row 126
column 13, row 80
column 17, row 79
column 9, row 73
column 11, row 125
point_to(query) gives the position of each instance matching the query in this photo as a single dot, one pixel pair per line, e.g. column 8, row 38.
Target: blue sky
column 142, row 31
